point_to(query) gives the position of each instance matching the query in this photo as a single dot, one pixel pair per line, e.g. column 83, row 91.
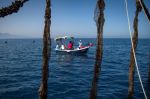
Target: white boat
column 61, row 48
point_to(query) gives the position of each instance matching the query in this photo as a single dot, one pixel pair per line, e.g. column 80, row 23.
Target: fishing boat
column 62, row 48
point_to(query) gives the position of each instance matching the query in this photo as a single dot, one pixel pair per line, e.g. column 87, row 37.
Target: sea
column 70, row 76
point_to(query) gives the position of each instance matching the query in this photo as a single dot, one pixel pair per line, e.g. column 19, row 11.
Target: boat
column 61, row 46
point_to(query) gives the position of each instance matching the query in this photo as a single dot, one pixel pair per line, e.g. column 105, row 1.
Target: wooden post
column 46, row 52
column 132, row 60
column 99, row 50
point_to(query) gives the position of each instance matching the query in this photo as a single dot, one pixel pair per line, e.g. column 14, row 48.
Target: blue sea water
column 70, row 76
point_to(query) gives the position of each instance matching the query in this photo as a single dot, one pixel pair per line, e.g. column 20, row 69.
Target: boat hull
column 75, row 51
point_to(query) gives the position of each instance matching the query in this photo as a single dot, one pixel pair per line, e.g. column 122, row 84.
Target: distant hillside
column 7, row 35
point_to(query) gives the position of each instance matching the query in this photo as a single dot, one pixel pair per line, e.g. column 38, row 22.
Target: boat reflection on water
column 64, row 59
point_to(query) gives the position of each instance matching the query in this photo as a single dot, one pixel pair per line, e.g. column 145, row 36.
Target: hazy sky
column 72, row 17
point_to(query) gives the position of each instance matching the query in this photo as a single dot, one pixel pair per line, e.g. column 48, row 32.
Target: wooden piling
column 135, row 42
column 99, row 50
column 46, row 52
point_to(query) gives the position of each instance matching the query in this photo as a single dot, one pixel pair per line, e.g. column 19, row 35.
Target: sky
column 73, row 18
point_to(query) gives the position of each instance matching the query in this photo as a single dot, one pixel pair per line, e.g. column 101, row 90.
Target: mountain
column 7, row 35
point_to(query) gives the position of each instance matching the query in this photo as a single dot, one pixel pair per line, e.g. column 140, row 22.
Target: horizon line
column 75, row 38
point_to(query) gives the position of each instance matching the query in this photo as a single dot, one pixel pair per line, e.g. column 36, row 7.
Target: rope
column 144, row 10
column 43, row 89
column 99, row 14
column 13, row 8
column 134, row 50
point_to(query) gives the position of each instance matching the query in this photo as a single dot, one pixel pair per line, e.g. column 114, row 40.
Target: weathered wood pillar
column 99, row 50
column 46, row 52
column 132, row 59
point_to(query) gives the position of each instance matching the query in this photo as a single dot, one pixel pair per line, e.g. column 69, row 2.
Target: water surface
column 70, row 76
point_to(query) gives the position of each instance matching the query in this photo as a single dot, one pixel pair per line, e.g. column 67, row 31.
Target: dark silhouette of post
column 149, row 68
column 13, row 8
column 135, row 42
column 46, row 52
column 145, row 10
column 99, row 51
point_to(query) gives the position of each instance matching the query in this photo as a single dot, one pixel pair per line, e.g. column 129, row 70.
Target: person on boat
column 91, row 44
column 80, row 44
column 62, row 47
column 57, row 46
column 70, row 45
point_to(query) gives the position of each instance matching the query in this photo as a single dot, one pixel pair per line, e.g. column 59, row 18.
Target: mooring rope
column 144, row 9
column 134, row 50
column 43, row 90
column 99, row 51
column 13, row 8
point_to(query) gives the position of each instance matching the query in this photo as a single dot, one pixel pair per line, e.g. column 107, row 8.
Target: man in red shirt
column 70, row 45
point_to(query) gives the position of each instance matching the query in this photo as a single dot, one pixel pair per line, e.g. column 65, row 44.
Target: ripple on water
column 69, row 76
